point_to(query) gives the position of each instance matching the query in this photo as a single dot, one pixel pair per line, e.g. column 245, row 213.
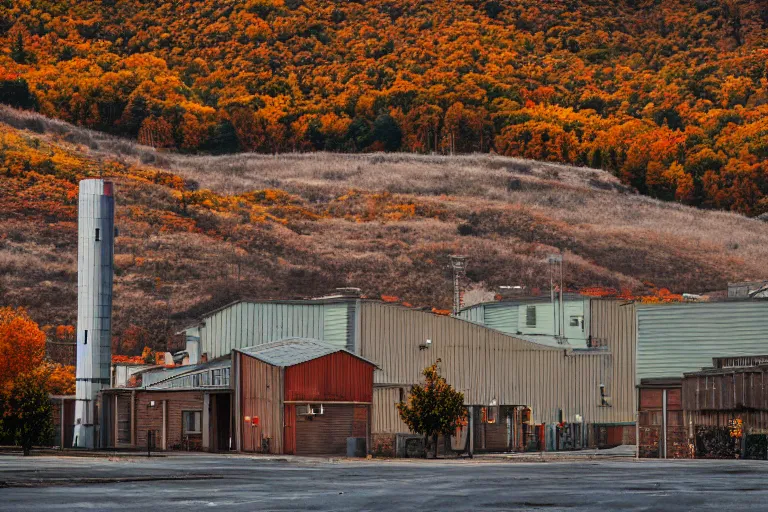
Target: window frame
column 530, row 316
column 184, row 414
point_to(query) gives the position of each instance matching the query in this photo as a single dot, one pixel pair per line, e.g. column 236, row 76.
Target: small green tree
column 433, row 408
column 27, row 416
column 19, row 52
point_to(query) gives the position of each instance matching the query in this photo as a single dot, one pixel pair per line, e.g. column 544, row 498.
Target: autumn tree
column 22, row 345
column 433, row 408
column 624, row 89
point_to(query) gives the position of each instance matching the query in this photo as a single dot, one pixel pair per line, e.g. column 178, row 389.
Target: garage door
column 327, row 433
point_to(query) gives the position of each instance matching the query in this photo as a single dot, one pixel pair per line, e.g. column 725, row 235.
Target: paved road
column 243, row 483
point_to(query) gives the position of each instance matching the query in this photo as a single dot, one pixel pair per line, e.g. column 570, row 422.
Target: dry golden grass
column 506, row 214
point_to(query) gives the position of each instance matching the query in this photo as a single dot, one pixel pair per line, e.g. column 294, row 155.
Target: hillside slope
column 670, row 96
column 197, row 232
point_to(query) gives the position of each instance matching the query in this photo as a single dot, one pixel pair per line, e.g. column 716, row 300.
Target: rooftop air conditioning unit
column 309, row 410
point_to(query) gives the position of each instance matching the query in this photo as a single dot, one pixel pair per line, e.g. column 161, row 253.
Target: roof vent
column 511, row 291
column 348, row 292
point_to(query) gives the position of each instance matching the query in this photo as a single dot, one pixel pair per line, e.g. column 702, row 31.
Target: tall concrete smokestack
column 95, row 251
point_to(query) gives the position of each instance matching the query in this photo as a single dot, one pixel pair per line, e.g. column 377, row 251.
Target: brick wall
column 151, row 418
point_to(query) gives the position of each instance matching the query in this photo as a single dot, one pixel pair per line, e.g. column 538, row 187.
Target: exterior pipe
column 664, row 422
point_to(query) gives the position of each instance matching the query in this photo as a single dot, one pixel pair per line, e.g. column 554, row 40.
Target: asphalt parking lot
column 250, row 483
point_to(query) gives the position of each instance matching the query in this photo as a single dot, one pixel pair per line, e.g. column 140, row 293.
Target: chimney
column 95, row 252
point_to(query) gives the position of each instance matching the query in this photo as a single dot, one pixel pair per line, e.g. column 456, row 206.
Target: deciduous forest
column 670, row 96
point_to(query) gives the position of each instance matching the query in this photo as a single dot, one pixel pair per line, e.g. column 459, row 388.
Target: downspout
column 133, row 418
column 664, row 422
column 235, row 381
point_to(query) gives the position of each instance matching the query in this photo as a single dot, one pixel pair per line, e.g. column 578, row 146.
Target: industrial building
column 684, row 337
column 583, row 391
column 719, row 411
column 676, row 339
column 538, row 319
column 303, row 397
column 187, row 409
column 294, row 396
column 535, row 373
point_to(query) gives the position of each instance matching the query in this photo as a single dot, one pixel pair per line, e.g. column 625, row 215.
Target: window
column 98, row 238
column 530, row 316
column 196, row 380
column 225, row 377
column 577, row 321
column 191, row 422
column 216, row 375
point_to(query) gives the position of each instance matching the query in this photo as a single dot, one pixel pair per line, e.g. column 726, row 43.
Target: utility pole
column 556, row 272
column 459, row 266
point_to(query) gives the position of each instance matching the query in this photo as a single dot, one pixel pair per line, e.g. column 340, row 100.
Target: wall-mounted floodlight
column 427, row 343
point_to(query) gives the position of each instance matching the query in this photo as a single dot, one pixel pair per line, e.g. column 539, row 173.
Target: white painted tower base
column 95, row 252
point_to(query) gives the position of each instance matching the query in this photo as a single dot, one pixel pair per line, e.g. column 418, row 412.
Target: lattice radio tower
column 459, row 266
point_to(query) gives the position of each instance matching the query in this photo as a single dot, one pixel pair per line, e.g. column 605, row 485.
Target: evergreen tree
column 18, row 52
column 387, row 132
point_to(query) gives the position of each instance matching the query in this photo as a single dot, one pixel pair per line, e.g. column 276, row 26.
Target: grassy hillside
column 197, row 232
column 670, row 96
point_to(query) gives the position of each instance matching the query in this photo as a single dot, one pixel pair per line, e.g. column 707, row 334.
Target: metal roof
column 528, row 299
column 293, row 351
column 166, row 374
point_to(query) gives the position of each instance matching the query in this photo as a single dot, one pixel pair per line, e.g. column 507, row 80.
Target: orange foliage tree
column 22, row 345
column 22, row 351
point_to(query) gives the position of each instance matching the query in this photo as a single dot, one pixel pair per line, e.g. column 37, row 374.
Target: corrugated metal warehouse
column 556, row 382
column 303, row 397
column 494, row 369
column 678, row 338
column 716, row 412
column 245, row 324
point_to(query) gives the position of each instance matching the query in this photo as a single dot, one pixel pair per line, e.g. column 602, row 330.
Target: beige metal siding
column 385, row 418
column 612, row 325
column 485, row 365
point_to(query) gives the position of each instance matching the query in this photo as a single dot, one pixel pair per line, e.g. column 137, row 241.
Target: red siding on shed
column 337, row 377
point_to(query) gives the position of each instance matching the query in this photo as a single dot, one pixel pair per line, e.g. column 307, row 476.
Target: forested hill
column 670, row 96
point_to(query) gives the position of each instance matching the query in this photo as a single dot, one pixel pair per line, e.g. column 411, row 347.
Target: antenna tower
column 556, row 274
column 459, row 266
